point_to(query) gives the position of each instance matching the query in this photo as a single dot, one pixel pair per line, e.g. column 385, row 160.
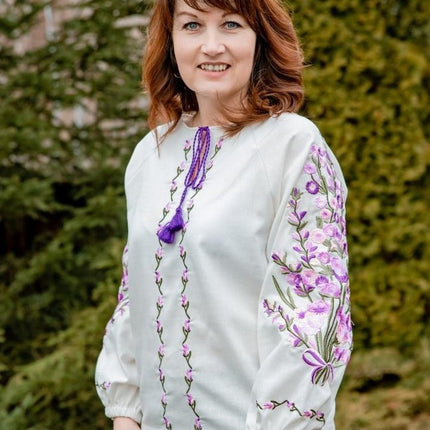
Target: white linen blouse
column 243, row 322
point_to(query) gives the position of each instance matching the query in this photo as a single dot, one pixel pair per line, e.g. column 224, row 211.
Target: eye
column 232, row 25
column 191, row 26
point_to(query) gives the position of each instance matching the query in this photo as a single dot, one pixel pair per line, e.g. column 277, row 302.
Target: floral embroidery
column 123, row 300
column 311, row 414
column 105, row 385
column 186, row 328
column 159, row 282
column 314, row 307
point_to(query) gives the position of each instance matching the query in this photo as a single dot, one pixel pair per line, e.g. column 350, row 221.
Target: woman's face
column 214, row 50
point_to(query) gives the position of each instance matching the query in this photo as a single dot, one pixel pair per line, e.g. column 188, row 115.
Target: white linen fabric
column 244, row 321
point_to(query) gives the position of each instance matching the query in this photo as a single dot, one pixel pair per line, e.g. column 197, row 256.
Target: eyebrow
column 185, row 13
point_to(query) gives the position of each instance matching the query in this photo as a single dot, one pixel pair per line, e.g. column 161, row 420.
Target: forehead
column 201, row 5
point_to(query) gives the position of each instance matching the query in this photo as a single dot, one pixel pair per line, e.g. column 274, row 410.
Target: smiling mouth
column 214, row 67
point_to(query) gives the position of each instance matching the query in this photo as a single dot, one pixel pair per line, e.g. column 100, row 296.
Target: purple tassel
column 195, row 177
column 167, row 232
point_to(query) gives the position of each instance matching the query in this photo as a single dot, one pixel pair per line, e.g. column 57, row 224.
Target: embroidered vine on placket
column 194, row 179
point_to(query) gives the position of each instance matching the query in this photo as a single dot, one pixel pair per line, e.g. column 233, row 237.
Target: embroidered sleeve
column 116, row 373
column 304, row 322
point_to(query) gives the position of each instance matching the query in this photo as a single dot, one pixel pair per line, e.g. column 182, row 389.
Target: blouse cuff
column 115, row 411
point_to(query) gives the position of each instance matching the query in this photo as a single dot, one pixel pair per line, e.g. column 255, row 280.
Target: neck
column 208, row 118
column 211, row 112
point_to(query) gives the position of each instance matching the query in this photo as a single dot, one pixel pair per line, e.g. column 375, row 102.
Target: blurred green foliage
column 70, row 115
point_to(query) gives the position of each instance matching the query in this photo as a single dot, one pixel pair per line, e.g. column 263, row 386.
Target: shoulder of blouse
column 282, row 144
column 146, row 148
column 279, row 130
column 285, row 139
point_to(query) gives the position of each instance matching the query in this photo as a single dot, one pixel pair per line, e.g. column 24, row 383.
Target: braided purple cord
column 194, row 179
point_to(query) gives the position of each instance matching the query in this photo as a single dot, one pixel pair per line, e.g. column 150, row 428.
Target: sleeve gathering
column 304, row 324
column 116, row 371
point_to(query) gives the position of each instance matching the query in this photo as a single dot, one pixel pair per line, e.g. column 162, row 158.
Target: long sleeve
column 116, row 370
column 304, row 325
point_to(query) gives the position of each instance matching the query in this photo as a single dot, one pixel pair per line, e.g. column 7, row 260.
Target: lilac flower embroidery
column 184, row 301
column 197, row 424
column 105, row 385
column 313, row 279
column 312, row 187
column 123, row 301
column 311, row 414
column 189, row 375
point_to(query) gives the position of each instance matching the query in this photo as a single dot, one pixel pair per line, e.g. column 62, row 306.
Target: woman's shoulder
column 289, row 124
column 286, row 135
column 145, row 149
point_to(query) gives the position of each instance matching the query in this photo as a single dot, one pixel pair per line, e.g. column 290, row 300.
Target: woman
column 234, row 308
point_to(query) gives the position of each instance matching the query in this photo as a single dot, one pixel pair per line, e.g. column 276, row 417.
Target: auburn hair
column 276, row 83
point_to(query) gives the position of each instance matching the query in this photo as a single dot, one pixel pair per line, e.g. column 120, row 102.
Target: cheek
column 247, row 52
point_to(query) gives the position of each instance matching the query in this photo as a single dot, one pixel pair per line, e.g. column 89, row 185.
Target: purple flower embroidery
column 160, row 301
column 318, row 236
column 190, row 399
column 197, row 424
column 303, row 290
column 159, row 327
column 184, row 300
column 161, row 350
column 321, row 202
column 314, row 272
column 344, row 327
column 189, row 375
column 104, row 385
column 323, row 257
column 312, row 187
column 312, row 414
column 290, row 405
column 310, row 168
column 185, row 275
column 330, row 289
column 342, row 355
column 161, row 375
column 319, row 307
column 319, row 415
column 219, row 144
column 185, row 350
column 294, row 279
column 276, row 257
column 325, row 214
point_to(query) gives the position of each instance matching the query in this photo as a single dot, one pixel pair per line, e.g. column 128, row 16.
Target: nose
column 213, row 44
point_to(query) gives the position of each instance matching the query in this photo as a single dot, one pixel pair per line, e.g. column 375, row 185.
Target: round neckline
column 187, row 117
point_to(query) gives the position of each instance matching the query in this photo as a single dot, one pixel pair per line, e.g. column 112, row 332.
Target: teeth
column 214, row 67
